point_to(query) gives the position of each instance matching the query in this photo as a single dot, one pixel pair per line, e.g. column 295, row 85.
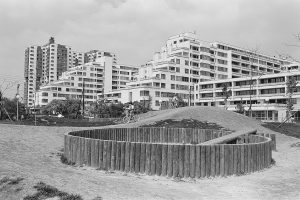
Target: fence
column 175, row 152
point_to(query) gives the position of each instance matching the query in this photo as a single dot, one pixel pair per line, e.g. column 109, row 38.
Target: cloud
column 135, row 29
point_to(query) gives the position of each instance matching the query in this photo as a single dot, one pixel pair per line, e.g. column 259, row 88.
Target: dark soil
column 290, row 129
column 185, row 123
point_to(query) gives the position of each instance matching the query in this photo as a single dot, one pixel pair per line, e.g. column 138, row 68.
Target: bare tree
column 4, row 86
column 291, row 84
column 251, row 54
column 226, row 93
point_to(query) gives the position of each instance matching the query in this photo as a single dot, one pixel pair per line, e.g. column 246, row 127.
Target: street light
column 17, row 97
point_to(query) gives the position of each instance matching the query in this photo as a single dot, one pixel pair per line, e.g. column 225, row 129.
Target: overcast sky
column 135, row 29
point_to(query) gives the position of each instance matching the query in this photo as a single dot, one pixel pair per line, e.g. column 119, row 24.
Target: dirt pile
column 227, row 119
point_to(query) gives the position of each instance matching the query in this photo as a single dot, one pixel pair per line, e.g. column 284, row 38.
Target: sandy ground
column 30, row 152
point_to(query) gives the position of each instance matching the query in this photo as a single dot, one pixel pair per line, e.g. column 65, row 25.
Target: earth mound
column 224, row 118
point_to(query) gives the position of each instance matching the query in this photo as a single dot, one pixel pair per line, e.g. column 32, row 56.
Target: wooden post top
column 230, row 137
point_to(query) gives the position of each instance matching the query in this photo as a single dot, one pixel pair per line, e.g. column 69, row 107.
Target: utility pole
column 17, row 97
column 83, row 98
column 190, row 94
column 34, row 101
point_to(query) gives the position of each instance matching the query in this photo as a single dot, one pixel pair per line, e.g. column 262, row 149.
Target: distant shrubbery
column 9, row 107
column 71, row 108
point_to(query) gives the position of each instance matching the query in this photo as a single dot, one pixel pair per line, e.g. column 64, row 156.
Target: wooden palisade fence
column 173, row 152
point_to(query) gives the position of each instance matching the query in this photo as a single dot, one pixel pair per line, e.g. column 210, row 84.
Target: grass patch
column 64, row 160
column 46, row 191
column 4, row 180
column 273, row 162
column 11, row 181
column 290, row 129
column 15, row 181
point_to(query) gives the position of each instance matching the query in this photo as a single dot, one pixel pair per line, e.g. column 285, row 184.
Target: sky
column 135, row 29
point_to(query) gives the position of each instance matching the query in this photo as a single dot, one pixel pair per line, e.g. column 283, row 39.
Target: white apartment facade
column 57, row 59
column 45, row 64
column 268, row 95
column 185, row 61
column 32, row 73
column 91, row 79
column 92, row 55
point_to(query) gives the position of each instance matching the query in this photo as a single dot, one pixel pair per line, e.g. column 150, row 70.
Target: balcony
column 272, row 95
column 279, row 84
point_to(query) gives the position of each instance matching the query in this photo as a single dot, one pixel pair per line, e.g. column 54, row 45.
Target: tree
column 291, row 84
column 104, row 109
column 10, row 106
column 73, row 107
column 4, row 86
column 240, row 107
column 226, row 93
column 116, row 109
column 181, row 102
column 68, row 107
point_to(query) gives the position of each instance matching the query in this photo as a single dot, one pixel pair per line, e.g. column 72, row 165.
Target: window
column 157, row 94
column 185, row 79
column 222, row 54
column 177, row 61
column 44, row 100
column 144, row 93
column 186, row 62
column 172, row 77
column 186, row 71
column 177, row 69
column 163, row 85
column 163, row 76
column 157, row 103
column 224, row 62
column 59, row 89
column 172, row 86
column 44, row 94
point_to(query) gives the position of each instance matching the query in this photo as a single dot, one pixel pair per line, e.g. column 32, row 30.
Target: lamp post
column 18, row 97
column 34, row 108
column 267, row 100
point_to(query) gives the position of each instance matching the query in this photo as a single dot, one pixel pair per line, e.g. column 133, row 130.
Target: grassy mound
column 290, row 129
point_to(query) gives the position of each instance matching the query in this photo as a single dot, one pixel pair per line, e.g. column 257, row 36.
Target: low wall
column 96, row 119
column 173, row 152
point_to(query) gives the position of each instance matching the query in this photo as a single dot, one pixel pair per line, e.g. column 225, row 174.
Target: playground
column 33, row 154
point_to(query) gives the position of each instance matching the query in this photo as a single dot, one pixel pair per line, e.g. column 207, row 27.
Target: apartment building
column 295, row 66
column 91, row 79
column 185, row 61
column 45, row 64
column 57, row 59
column 32, row 73
column 267, row 94
column 92, row 55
